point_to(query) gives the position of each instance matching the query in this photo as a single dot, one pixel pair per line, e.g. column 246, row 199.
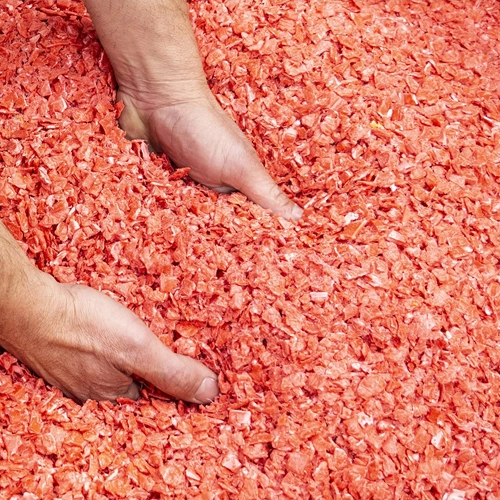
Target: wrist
column 22, row 286
column 23, row 293
column 151, row 46
column 151, row 95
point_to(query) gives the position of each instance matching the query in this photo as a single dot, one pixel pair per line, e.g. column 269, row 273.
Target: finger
column 137, row 350
column 132, row 392
column 256, row 183
column 251, row 178
column 99, row 394
column 262, row 189
column 179, row 376
column 117, row 385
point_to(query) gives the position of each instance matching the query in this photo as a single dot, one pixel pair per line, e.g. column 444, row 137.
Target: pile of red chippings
column 358, row 350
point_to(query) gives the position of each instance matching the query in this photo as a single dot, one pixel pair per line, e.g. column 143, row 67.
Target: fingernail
column 297, row 212
column 207, row 391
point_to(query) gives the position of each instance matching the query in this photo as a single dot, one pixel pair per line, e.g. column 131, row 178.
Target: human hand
column 89, row 345
column 195, row 132
column 154, row 54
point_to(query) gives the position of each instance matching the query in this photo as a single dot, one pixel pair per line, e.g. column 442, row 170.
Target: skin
column 83, row 342
column 77, row 338
column 168, row 101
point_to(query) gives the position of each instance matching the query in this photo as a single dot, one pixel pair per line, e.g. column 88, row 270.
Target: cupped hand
column 194, row 131
column 89, row 346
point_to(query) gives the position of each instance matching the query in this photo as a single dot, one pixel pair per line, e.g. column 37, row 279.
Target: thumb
column 256, row 183
column 179, row 376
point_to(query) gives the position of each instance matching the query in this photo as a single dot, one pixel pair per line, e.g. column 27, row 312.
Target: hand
column 196, row 133
column 153, row 51
column 89, row 346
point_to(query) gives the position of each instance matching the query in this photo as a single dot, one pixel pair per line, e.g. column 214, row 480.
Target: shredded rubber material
column 358, row 350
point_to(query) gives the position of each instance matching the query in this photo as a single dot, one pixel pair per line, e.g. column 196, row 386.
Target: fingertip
column 288, row 210
column 297, row 212
column 207, row 391
column 262, row 189
column 179, row 376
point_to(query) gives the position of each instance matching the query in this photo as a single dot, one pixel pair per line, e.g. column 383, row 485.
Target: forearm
column 15, row 267
column 20, row 281
column 150, row 43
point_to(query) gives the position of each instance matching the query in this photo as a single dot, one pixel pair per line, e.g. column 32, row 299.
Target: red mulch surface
column 358, row 350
